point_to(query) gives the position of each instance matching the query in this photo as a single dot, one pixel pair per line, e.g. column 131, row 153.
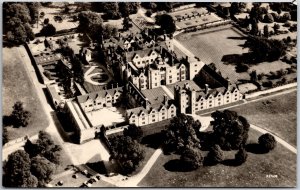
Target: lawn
column 277, row 114
column 17, row 86
column 224, row 42
column 50, row 12
column 280, row 162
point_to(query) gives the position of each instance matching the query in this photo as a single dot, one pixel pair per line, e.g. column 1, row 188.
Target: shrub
column 286, row 17
column 287, row 24
column 267, row 84
column 215, row 155
column 148, row 13
column 241, row 156
column 268, row 18
column 267, row 142
column 192, row 158
column 241, row 67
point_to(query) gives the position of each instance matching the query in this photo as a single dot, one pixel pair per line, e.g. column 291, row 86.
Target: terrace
column 193, row 17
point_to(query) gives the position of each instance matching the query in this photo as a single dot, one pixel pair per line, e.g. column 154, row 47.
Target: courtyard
column 96, row 77
column 106, row 116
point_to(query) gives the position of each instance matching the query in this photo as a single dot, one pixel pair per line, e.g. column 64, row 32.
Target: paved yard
column 105, row 116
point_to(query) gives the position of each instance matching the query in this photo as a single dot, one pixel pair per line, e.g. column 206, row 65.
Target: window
column 133, row 121
column 151, row 60
column 90, row 105
column 235, row 99
column 170, row 81
column 108, row 101
column 170, row 76
column 99, row 103
column 143, row 118
column 219, row 103
column 143, row 123
column 163, row 118
column 177, row 78
column 196, row 109
column 163, row 113
column 201, row 107
column 210, row 101
column 195, row 71
column 219, row 99
column 227, row 101
column 201, row 103
column 153, row 120
column 172, row 111
column 133, row 116
column 210, row 105
column 153, row 115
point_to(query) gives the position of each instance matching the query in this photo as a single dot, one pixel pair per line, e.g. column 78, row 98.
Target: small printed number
column 271, row 176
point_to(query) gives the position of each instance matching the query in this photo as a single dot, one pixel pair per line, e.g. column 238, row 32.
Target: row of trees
column 17, row 18
column 230, row 132
column 33, row 166
column 115, row 10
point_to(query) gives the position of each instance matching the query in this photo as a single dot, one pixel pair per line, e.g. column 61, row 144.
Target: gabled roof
column 99, row 94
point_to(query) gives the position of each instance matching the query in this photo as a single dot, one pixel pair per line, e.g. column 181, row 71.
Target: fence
column 259, row 93
column 19, row 140
column 207, row 25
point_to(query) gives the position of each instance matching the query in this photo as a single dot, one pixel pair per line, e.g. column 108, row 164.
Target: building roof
column 101, row 94
column 155, row 96
column 182, row 84
column 53, row 92
column 47, row 58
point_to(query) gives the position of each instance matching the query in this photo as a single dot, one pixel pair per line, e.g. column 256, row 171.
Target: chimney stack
column 166, row 99
column 187, row 58
column 206, row 88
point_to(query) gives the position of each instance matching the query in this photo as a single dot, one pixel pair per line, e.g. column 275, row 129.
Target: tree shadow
column 153, row 140
column 8, row 121
column 177, row 166
column 237, row 38
column 98, row 167
column 255, row 148
column 248, row 58
column 231, row 162
column 208, row 162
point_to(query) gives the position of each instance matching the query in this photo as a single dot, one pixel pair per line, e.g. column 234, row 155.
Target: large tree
column 136, row 133
column 127, row 152
column 263, row 49
column 17, row 171
column 20, row 116
column 48, row 30
column 47, row 148
column 230, row 129
column 166, row 23
column 16, row 17
column 192, row 158
column 181, row 133
column 87, row 19
column 43, row 169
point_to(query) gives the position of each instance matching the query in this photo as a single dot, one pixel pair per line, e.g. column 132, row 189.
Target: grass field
column 278, row 115
column 223, row 42
column 280, row 162
column 17, row 86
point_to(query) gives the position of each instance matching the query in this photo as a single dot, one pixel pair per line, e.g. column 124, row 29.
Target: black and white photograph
column 153, row 94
